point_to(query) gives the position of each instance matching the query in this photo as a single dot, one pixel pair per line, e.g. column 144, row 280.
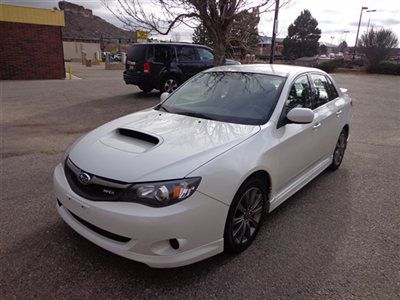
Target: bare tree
column 377, row 44
column 161, row 16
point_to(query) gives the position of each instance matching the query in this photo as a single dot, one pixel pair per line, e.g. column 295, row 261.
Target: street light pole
column 274, row 30
column 345, row 35
column 369, row 20
column 358, row 31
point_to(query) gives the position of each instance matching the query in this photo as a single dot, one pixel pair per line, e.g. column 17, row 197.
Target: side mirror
column 164, row 96
column 300, row 115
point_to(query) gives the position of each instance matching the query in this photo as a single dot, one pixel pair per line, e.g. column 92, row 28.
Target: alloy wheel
column 247, row 215
column 170, row 85
column 340, row 149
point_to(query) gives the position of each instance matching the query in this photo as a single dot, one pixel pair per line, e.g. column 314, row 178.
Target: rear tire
column 340, row 149
column 169, row 84
column 145, row 88
column 245, row 216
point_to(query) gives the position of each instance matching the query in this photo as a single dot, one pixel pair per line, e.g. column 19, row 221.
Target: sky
column 335, row 17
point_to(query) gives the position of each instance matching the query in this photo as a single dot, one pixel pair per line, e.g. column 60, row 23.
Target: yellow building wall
column 31, row 15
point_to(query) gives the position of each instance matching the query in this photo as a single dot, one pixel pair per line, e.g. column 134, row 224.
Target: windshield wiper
column 163, row 108
column 195, row 114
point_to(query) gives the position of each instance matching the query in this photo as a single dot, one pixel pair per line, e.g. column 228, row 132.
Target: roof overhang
column 31, row 15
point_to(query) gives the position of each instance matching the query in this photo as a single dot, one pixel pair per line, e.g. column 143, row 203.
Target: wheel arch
column 167, row 75
column 171, row 74
column 264, row 176
column 347, row 129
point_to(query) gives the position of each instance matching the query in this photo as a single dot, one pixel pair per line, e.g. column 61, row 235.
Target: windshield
column 244, row 98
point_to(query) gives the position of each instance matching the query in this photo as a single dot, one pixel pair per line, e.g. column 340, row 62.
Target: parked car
column 116, row 57
column 165, row 66
column 339, row 55
column 196, row 174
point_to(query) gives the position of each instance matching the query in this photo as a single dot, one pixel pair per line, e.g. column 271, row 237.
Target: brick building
column 31, row 43
column 265, row 46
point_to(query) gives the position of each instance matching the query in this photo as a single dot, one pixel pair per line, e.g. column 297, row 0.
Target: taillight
column 146, row 68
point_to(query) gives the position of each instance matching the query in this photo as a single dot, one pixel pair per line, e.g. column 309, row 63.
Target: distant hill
column 80, row 23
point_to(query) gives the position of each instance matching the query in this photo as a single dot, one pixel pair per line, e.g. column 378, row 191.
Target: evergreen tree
column 302, row 38
column 323, row 49
column 200, row 36
column 342, row 46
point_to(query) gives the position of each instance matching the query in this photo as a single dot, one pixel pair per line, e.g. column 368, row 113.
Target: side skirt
column 298, row 183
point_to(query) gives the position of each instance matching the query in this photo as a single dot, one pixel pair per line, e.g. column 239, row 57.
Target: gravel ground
column 339, row 237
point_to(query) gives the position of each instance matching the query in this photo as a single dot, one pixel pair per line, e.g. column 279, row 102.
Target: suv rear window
column 137, row 53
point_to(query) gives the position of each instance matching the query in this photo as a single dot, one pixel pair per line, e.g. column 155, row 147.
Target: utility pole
column 274, row 30
column 358, row 31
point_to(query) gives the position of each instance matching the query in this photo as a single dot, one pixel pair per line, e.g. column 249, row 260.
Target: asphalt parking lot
column 338, row 238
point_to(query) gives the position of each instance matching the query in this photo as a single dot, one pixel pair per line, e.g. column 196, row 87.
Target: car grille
column 97, row 188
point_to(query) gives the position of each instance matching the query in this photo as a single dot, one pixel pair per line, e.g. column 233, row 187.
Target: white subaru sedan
column 198, row 173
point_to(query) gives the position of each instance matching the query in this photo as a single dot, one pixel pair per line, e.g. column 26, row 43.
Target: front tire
column 245, row 216
column 340, row 148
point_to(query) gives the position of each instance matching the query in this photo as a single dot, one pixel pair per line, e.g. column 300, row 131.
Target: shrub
column 330, row 66
column 385, row 68
column 354, row 63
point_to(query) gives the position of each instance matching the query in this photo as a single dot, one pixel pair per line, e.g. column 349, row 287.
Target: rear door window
column 186, row 53
column 162, row 53
column 137, row 53
column 333, row 94
column 321, row 85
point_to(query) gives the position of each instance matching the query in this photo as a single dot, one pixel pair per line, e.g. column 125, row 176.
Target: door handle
column 339, row 112
column 316, row 125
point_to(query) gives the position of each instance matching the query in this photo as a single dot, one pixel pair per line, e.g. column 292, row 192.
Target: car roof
column 275, row 69
column 172, row 44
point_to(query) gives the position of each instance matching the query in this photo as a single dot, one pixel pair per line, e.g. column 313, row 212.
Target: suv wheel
column 169, row 84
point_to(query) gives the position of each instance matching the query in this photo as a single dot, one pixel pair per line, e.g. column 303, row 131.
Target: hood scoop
column 138, row 135
column 130, row 140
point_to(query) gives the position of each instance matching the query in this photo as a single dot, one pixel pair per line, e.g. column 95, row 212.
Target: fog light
column 174, row 243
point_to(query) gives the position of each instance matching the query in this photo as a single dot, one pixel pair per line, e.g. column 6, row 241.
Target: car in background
column 196, row 175
column 165, row 66
column 116, row 57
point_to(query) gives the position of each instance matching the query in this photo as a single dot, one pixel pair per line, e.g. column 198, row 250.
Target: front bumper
column 197, row 223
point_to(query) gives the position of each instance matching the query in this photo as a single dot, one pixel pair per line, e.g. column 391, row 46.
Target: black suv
column 164, row 66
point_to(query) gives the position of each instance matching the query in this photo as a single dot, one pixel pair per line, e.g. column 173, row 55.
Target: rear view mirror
column 300, row 115
column 164, row 96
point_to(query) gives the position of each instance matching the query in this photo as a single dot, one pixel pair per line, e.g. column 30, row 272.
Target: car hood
column 153, row 145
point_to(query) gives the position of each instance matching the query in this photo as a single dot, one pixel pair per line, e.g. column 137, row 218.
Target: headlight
column 161, row 193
